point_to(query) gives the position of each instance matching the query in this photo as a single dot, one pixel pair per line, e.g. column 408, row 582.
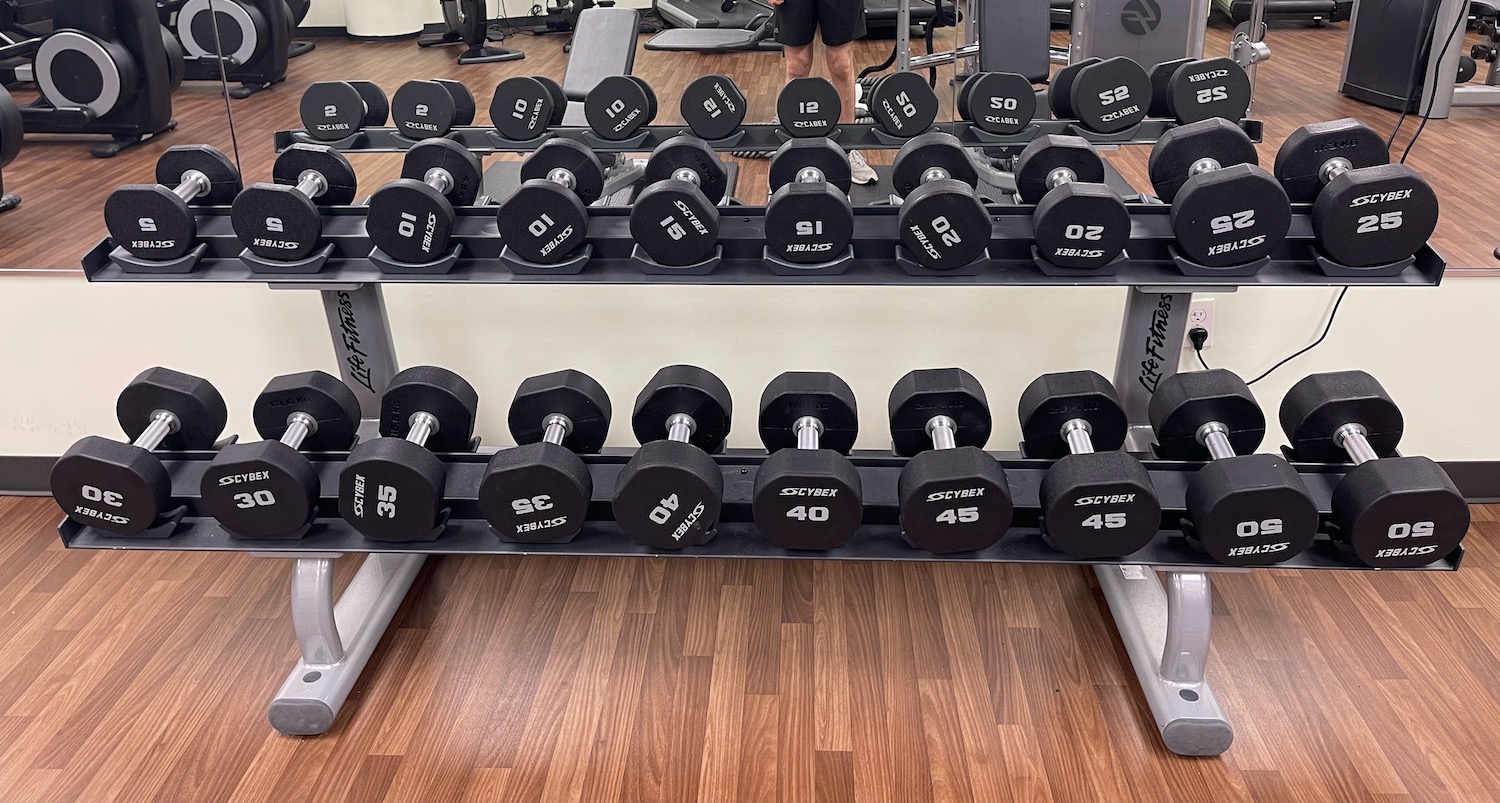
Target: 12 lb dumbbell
column 547, row 217
column 282, row 221
column 1078, row 223
column 809, row 218
column 423, row 109
column 807, row 494
column 122, row 488
column 333, row 110
column 942, row 222
column 411, row 219
column 675, row 220
column 154, row 221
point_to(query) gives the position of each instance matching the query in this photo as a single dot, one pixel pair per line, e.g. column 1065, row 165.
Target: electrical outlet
column 1200, row 316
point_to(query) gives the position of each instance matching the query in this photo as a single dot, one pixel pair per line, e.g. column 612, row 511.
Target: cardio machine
column 253, row 36
column 468, row 23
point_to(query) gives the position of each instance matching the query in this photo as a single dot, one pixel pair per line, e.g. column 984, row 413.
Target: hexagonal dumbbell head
column 539, row 491
column 155, row 221
column 807, row 494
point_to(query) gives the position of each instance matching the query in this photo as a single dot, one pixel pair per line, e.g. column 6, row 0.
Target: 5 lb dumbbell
column 676, row 218
column 411, row 219
column 942, row 221
column 122, row 488
column 1391, row 511
column 1079, row 222
column 333, row 110
column 392, row 488
column 282, row 221
column 269, row 489
column 1244, row 509
column 670, row 493
column 809, row 218
column 154, row 221
column 547, row 217
column 807, row 494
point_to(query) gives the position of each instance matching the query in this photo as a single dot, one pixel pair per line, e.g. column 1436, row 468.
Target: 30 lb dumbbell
column 154, row 221
column 953, row 496
column 122, row 488
column 411, row 219
column 670, row 493
column 1189, row 90
column 807, row 494
column 1366, row 211
column 1390, row 511
column 809, row 218
column 539, row 491
column 269, row 489
column 942, row 221
column 1095, row 504
column 546, row 219
column 1103, row 95
column 675, row 220
column 1226, row 209
column 423, row 109
column 1244, row 509
column 333, row 110
column 392, row 488
column 281, row 221
column 1079, row 222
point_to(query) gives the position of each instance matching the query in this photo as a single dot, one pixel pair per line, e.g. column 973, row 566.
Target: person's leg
column 841, row 73
column 799, row 60
column 840, row 22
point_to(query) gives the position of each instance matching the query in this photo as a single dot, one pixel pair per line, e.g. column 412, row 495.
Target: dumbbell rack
column 1159, row 597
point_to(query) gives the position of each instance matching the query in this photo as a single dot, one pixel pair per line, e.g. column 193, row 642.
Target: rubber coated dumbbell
column 1103, row 95
column 902, row 104
column 539, row 491
column 1366, row 211
column 807, row 494
column 676, row 218
column 282, row 221
column 547, row 218
column 809, row 107
column 669, row 495
column 333, row 110
column 712, row 106
column 942, row 221
column 122, row 488
column 1095, row 504
column 953, row 496
column 411, row 219
column 1226, row 209
column 1392, row 512
column 269, row 489
column 619, row 106
column 809, row 218
column 423, row 109
column 392, row 488
column 1244, row 509
column 154, row 221
column 1000, row 103
column 524, row 106
column 1078, row 223
column 1189, row 90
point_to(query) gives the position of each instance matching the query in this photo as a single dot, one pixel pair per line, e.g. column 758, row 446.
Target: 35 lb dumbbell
column 1078, row 222
column 282, row 221
column 155, row 221
column 675, row 220
column 411, row 219
column 1103, row 95
column 122, row 488
column 809, row 218
column 423, row 109
column 546, row 219
column 333, row 110
column 807, row 494
column 942, row 222
column 269, row 489
column 1390, row 511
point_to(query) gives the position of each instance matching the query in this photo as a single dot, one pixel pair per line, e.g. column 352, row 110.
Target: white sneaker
column 860, row 171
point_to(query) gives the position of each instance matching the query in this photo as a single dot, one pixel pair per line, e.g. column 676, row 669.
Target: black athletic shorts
column 840, row 21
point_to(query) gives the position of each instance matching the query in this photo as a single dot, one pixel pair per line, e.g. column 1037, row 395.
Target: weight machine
column 468, row 23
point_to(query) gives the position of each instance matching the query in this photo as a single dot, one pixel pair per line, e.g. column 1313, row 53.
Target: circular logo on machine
column 1141, row 17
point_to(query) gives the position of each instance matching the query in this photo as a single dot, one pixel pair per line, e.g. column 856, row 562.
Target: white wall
column 70, row 346
column 330, row 13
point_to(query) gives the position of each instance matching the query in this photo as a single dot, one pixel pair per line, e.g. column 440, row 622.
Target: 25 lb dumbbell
column 809, row 218
column 282, row 221
column 807, row 494
column 1189, row 90
column 547, row 217
column 154, row 221
column 675, row 220
column 1078, row 223
column 411, row 219
column 1103, row 95
column 942, row 222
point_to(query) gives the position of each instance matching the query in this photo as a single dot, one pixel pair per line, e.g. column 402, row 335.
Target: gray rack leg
column 1166, row 632
column 336, row 640
column 361, row 334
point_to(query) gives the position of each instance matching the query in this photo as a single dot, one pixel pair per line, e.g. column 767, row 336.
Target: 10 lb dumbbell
column 411, row 219
column 155, row 221
column 807, row 494
column 281, row 221
column 547, row 217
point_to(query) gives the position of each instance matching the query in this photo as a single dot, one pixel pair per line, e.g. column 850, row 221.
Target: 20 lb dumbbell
column 282, row 221
column 154, row 221
column 807, row 494
column 122, row 488
column 942, row 222
column 1390, row 511
column 269, row 489
column 547, row 217
column 809, row 218
column 1078, row 223
column 675, row 220
column 411, row 219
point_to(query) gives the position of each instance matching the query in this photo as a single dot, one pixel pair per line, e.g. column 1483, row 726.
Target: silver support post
column 1150, row 349
column 361, row 341
column 1247, row 46
column 970, row 36
column 903, row 35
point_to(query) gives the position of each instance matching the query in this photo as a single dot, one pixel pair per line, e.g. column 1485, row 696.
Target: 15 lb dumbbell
column 670, row 493
column 809, row 218
column 122, row 488
column 423, row 109
column 712, row 106
column 1244, row 509
column 411, row 219
column 807, row 494
column 1103, row 95
column 269, row 489
column 547, row 217
column 539, row 491
column 282, row 221
column 953, row 496
column 1079, row 222
column 392, row 488
column 809, row 107
column 942, row 221
column 154, row 221
column 1391, row 511
column 676, row 218
column 333, row 110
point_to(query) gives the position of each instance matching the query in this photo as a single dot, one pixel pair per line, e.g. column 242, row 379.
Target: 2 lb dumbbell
column 1078, row 223
column 411, row 219
column 281, row 221
column 333, row 110
column 547, row 217
column 942, row 222
column 675, row 220
column 269, row 489
column 155, row 221
column 807, row 494
column 809, row 218
column 1390, row 511
column 424, row 109
column 122, row 488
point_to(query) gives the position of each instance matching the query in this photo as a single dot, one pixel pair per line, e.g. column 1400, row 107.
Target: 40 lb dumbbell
column 282, row 221
column 411, row 219
column 942, row 222
column 155, row 221
column 547, row 217
column 807, row 494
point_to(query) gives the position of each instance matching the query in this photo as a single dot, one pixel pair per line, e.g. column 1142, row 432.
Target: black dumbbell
column 942, row 221
column 546, row 218
column 332, row 110
column 809, row 218
column 122, row 488
column 712, row 106
column 1079, row 222
column 392, row 488
column 539, row 491
column 676, row 218
column 1001, row 103
column 807, row 494
column 1095, row 504
column 423, row 109
column 282, row 220
column 902, row 104
column 809, row 107
column 1391, row 511
column 1244, row 509
column 154, row 221
column 524, row 106
column 669, row 495
column 953, row 496
column 1226, row 209
column 618, row 106
column 1189, row 90
column 411, row 219
column 269, row 489
column 1103, row 95
column 1366, row 211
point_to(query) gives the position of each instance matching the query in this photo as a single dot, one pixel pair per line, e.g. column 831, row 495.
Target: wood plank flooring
column 144, row 676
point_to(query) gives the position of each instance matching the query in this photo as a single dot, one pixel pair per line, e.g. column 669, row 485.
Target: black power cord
column 1453, row 35
column 1198, row 336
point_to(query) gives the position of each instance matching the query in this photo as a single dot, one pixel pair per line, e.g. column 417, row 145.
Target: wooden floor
column 144, row 676
column 63, row 189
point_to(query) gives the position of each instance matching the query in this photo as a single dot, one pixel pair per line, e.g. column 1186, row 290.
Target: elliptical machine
column 11, row 132
column 468, row 23
column 255, row 37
